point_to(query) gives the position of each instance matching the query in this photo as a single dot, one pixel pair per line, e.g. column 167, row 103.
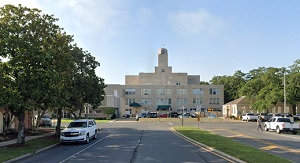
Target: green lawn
column 229, row 146
column 14, row 151
column 97, row 121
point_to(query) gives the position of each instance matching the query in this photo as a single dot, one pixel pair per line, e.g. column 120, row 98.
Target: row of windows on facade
column 190, row 110
column 168, row 101
column 167, row 91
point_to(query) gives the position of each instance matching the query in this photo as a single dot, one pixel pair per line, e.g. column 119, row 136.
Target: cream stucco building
column 163, row 91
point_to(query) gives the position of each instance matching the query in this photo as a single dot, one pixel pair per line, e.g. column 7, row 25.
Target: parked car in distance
column 46, row 121
column 297, row 117
column 212, row 116
column 281, row 124
column 163, row 116
column 141, row 115
column 276, row 114
column 126, row 116
column 185, row 115
column 80, row 130
column 286, row 115
column 151, row 115
column 249, row 117
column 173, row 115
column 264, row 116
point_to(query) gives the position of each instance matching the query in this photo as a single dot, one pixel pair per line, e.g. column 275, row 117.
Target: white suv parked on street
column 80, row 130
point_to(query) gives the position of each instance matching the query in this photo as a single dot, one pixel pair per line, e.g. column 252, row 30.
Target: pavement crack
column 136, row 147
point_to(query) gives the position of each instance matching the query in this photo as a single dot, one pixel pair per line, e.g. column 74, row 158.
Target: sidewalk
column 14, row 141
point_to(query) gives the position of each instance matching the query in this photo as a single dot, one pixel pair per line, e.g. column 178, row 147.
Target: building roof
column 240, row 100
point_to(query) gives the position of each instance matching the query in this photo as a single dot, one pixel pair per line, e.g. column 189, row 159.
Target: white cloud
column 197, row 22
column 24, row 3
column 87, row 17
column 82, row 17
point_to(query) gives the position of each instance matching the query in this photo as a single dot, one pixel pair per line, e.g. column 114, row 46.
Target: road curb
column 30, row 154
column 208, row 147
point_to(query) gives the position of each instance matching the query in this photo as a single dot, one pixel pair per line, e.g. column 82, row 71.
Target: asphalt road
column 285, row 145
column 130, row 141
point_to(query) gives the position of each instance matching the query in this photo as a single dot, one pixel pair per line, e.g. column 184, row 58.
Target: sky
column 203, row 37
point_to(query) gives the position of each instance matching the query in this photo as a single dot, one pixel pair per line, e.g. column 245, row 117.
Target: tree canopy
column 263, row 87
column 41, row 67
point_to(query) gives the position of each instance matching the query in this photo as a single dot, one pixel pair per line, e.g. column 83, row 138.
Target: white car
column 281, row 124
column 185, row 115
column 80, row 130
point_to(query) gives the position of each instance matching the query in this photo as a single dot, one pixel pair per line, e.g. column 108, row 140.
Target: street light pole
column 284, row 93
column 182, row 115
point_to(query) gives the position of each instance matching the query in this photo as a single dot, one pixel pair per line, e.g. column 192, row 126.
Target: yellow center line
column 268, row 146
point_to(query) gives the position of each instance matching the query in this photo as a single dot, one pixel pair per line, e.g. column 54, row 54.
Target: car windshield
column 77, row 124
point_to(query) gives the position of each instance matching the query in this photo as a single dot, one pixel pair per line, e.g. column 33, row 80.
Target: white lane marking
column 88, row 147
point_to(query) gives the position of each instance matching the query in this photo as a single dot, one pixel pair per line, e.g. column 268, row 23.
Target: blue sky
column 203, row 37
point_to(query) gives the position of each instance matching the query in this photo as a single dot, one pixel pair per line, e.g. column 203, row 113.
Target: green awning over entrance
column 135, row 104
column 163, row 107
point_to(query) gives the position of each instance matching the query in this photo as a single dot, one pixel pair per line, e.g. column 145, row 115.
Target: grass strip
column 229, row 146
column 70, row 120
column 31, row 146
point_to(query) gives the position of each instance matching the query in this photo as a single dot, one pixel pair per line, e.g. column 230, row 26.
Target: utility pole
column 284, row 93
column 182, row 115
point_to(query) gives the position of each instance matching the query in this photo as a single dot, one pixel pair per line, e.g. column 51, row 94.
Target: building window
column 128, row 101
column 197, row 101
column 145, row 91
column 197, row 91
column 177, row 83
column 168, row 91
column 181, row 91
column 182, row 101
column 214, row 101
column 163, row 101
column 214, row 91
column 162, row 70
column 146, row 101
column 160, row 101
column 162, row 91
column 129, row 91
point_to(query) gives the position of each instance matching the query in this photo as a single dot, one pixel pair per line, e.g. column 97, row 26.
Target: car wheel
column 95, row 136
column 266, row 128
column 87, row 139
column 278, row 130
column 294, row 132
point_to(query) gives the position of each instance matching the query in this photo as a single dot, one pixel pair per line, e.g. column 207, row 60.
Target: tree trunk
column 21, row 128
column 294, row 109
column 80, row 111
column 57, row 130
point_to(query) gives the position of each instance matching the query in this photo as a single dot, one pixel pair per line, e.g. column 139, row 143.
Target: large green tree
column 33, row 45
column 293, row 85
column 264, row 87
column 86, row 88
column 232, row 84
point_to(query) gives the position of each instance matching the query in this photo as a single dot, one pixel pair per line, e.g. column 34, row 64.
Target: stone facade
column 163, row 88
